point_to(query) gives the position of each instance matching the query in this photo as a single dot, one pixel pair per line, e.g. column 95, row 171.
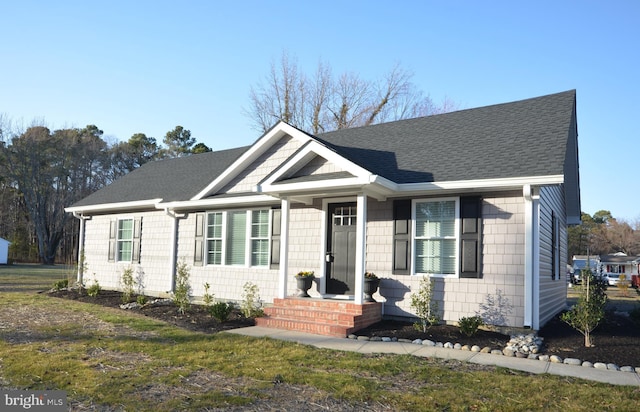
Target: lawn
column 108, row 359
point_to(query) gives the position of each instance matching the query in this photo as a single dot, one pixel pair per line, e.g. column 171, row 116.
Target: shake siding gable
column 277, row 154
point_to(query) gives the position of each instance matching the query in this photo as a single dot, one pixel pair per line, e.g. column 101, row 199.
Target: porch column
column 361, row 245
column 284, row 247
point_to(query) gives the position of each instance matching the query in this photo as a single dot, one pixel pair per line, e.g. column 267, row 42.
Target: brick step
column 305, row 326
column 320, row 316
column 304, row 314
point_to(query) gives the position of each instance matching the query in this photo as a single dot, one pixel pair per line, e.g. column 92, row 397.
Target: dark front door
column 341, row 248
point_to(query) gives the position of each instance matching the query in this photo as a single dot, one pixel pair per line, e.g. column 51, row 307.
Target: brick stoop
column 320, row 316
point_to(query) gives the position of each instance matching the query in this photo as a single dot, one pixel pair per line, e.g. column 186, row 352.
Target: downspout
column 531, row 264
column 173, row 244
column 82, row 218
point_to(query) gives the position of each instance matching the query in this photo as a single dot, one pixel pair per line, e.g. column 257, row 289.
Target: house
column 618, row 264
column 4, row 251
column 478, row 199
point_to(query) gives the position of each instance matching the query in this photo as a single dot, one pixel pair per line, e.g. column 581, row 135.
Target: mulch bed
column 616, row 340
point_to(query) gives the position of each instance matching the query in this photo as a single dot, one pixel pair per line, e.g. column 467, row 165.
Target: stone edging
column 505, row 352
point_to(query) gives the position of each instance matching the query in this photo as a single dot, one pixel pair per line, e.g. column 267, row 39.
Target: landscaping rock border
column 520, row 346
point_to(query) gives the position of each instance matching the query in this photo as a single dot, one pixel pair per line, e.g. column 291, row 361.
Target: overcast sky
column 147, row 66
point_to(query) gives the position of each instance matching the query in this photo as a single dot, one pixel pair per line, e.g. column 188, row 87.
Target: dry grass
column 107, row 359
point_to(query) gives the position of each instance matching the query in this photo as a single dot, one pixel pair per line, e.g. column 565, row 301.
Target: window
column 214, row 238
column 436, row 237
column 125, row 240
column 260, row 238
column 238, row 238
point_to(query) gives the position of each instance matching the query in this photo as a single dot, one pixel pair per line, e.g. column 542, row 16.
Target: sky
column 147, row 66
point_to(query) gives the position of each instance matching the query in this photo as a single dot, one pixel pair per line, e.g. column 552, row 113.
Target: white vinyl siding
column 436, row 237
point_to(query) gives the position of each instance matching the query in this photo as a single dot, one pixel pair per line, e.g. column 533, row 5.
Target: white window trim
column 118, row 256
column 248, row 238
column 456, row 231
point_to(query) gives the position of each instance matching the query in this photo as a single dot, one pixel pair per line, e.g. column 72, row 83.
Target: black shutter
column 113, row 229
column 471, row 237
column 402, row 237
column 137, row 236
column 276, row 215
column 198, row 252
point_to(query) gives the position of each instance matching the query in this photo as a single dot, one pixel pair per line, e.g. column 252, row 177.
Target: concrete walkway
column 525, row 365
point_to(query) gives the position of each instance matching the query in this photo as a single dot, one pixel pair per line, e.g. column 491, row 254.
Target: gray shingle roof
column 518, row 139
column 171, row 179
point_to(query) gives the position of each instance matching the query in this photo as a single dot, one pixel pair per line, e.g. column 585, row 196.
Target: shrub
column 127, row 282
column 207, row 298
column 251, row 304
column 141, row 300
column 182, row 292
column 623, row 285
column 221, row 311
column 94, row 289
column 60, row 284
column 469, row 325
column 425, row 305
column 587, row 314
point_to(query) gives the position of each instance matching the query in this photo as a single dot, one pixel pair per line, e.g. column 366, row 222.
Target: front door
column 341, row 248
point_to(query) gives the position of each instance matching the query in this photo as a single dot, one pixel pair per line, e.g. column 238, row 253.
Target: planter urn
column 370, row 287
column 303, row 283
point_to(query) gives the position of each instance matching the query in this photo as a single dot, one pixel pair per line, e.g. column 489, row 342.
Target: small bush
column 126, row 279
column 61, row 284
column 623, row 285
column 141, row 300
column 182, row 293
column 425, row 305
column 207, row 298
column 251, row 304
column 221, row 311
column 94, row 289
column 469, row 325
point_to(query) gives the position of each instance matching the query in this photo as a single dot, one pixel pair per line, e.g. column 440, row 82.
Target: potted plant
column 304, row 280
column 371, row 283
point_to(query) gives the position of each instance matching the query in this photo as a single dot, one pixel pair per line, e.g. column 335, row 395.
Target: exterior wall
column 503, row 264
column 264, row 165
column 552, row 292
column 153, row 269
column 227, row 282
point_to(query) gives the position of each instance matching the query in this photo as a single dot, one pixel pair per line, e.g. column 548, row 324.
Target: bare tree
column 325, row 103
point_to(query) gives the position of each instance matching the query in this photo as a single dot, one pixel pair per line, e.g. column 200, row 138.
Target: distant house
column 619, row 263
column 478, row 199
column 4, row 251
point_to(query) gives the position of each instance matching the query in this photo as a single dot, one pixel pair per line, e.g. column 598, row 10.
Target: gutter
column 173, row 243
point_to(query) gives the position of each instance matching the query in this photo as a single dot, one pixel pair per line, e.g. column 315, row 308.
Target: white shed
column 4, row 251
